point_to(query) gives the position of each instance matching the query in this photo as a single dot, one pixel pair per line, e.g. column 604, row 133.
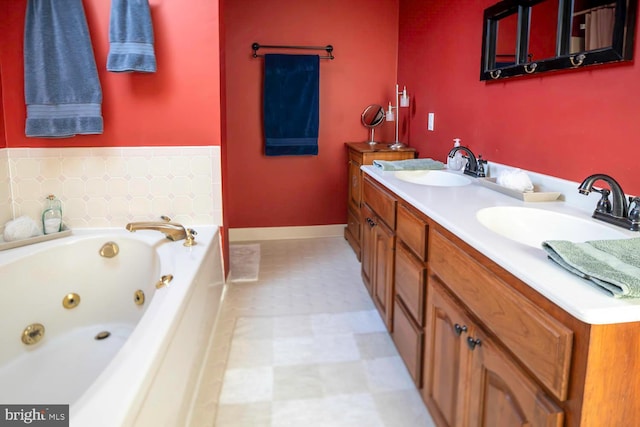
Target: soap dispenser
column 52, row 215
column 456, row 162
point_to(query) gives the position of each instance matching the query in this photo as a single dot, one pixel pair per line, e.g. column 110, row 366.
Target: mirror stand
column 372, row 140
column 372, row 117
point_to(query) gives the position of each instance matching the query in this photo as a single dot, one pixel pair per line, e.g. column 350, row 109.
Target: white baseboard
column 283, row 233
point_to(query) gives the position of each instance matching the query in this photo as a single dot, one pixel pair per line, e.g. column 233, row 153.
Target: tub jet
column 138, row 297
column 33, row 333
column 109, row 250
column 102, row 335
column 71, row 300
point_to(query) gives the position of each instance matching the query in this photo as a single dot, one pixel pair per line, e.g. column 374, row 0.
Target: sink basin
column 435, row 178
column 531, row 226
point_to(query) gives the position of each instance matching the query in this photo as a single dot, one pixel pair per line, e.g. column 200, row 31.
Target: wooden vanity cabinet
column 488, row 349
column 378, row 246
column 361, row 153
column 534, row 361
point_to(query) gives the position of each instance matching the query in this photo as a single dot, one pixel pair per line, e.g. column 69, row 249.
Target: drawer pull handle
column 371, row 222
column 459, row 329
column 473, row 343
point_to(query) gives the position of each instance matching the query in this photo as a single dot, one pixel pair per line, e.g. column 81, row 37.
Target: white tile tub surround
column 109, row 187
column 6, row 212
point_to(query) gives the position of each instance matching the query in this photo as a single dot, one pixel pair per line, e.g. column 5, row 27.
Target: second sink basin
column 435, row 178
column 532, row 226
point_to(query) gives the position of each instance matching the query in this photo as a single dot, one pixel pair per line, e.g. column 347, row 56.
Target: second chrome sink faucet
column 615, row 211
column 474, row 167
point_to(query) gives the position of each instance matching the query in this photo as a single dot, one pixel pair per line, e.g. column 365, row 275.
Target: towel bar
column 328, row 48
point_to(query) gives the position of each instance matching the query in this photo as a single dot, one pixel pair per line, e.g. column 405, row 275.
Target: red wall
column 303, row 190
column 3, row 140
column 177, row 105
column 567, row 124
column 3, row 43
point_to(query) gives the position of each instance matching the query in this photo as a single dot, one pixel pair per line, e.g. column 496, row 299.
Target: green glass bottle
column 52, row 216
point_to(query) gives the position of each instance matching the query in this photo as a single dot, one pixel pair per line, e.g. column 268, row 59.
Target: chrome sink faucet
column 474, row 167
column 171, row 230
column 615, row 211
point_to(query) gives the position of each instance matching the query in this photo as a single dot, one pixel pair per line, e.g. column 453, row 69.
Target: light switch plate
column 430, row 121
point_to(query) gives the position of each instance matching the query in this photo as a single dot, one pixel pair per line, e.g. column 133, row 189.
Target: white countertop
column 455, row 209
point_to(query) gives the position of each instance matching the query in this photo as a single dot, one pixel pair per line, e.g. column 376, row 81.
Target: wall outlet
column 430, row 121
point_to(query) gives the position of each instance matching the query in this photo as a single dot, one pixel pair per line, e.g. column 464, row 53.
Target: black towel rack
column 328, row 48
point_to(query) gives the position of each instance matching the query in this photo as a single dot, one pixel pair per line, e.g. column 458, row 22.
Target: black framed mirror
column 523, row 37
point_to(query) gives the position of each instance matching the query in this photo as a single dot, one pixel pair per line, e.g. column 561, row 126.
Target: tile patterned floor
column 304, row 346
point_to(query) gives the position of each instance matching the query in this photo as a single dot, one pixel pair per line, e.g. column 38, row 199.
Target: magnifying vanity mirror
column 372, row 117
column 523, row 37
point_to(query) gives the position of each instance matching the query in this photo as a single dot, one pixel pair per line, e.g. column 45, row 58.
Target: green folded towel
column 613, row 265
column 409, row 164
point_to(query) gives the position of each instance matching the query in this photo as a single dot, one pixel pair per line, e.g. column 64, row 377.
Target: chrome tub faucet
column 173, row 231
column 615, row 211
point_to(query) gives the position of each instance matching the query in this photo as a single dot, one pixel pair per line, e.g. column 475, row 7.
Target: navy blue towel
column 61, row 86
column 291, row 104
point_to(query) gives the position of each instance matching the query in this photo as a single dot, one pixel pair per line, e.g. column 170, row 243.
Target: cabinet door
column 408, row 338
column 355, row 181
column 446, row 358
column 367, row 248
column 502, row 394
column 383, row 260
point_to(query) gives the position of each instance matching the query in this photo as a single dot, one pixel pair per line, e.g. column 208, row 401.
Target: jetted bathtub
column 95, row 332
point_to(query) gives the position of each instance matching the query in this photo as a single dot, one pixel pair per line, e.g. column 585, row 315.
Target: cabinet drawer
column 355, row 157
column 410, row 280
column 382, row 203
column 412, row 231
column 539, row 341
column 408, row 338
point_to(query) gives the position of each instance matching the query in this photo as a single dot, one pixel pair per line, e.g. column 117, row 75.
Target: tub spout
column 171, row 230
